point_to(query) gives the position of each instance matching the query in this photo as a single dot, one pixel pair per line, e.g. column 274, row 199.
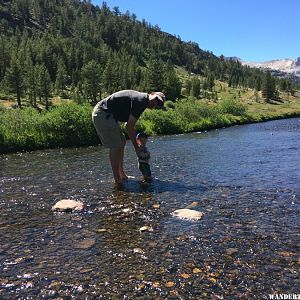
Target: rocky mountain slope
column 287, row 66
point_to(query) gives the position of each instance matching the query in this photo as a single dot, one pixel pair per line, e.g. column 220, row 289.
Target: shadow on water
column 159, row 186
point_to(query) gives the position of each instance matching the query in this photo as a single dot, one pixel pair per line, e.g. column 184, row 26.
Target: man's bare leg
column 122, row 173
column 115, row 157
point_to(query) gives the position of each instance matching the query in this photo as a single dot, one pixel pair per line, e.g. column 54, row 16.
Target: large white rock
column 68, row 205
column 187, row 214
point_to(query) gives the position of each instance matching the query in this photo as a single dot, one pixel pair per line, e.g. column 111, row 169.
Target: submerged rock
column 187, row 214
column 68, row 205
column 231, row 251
column 193, row 204
column 86, row 243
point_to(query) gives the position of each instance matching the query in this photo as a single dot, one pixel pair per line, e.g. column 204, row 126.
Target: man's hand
column 142, row 154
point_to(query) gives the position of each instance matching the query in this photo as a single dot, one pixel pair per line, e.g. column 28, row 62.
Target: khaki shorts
column 108, row 129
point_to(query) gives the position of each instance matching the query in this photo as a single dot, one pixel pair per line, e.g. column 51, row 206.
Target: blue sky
column 253, row 30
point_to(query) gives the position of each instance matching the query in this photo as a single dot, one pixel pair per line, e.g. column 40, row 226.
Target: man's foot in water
column 123, row 176
column 119, row 185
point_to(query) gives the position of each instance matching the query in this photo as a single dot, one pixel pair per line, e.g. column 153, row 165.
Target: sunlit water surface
column 246, row 181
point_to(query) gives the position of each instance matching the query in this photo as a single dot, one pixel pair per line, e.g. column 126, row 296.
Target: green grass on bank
column 190, row 115
column 63, row 126
column 68, row 125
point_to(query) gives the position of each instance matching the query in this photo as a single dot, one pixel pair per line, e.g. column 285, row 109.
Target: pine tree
column 258, row 83
column 14, row 78
column 284, row 85
column 134, row 73
column 61, row 77
column 268, row 87
column 172, row 85
column 30, row 81
column 155, row 75
column 108, row 76
column 209, row 82
column 187, row 87
column 4, row 56
column 43, row 84
column 195, row 91
column 91, row 76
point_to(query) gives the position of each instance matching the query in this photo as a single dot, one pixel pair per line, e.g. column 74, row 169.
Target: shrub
column 233, row 107
column 65, row 125
column 70, row 125
column 146, row 126
column 169, row 104
column 164, row 121
column 193, row 110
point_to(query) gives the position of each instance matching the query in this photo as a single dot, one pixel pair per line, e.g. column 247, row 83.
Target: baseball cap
column 161, row 96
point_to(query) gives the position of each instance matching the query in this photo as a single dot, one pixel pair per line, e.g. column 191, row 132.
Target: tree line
column 77, row 50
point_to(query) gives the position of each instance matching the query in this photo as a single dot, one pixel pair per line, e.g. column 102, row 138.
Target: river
column 244, row 179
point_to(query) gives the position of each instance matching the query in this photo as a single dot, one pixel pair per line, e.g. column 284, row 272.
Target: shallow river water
column 244, row 179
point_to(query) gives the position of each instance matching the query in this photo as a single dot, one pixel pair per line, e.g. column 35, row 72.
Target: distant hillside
column 75, row 49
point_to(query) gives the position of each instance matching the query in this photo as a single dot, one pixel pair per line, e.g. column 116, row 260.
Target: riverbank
column 69, row 125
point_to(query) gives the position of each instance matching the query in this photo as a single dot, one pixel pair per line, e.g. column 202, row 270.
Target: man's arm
column 130, row 127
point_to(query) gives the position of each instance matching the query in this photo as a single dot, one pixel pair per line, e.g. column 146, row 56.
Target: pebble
column 170, row 284
column 138, row 250
column 146, row 228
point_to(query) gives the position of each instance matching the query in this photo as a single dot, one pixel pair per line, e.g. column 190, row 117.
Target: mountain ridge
column 286, row 65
